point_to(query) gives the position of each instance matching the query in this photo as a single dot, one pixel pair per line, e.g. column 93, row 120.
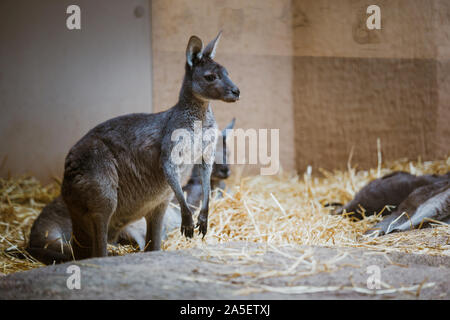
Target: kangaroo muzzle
column 233, row 94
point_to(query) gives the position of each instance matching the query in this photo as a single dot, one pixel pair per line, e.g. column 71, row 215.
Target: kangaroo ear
column 228, row 127
column 210, row 49
column 194, row 50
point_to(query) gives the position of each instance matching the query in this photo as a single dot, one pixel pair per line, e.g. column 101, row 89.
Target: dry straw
column 275, row 210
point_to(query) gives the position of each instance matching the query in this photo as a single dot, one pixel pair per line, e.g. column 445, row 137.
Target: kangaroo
column 431, row 201
column 391, row 189
column 123, row 169
column 52, row 230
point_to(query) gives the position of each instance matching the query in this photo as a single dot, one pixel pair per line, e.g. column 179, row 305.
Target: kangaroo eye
column 210, row 77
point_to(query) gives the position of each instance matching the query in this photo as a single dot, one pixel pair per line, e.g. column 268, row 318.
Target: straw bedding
column 277, row 210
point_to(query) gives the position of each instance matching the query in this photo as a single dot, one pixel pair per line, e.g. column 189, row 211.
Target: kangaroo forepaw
column 202, row 225
column 187, row 230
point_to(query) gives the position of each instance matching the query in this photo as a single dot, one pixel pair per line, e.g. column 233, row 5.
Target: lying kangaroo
column 124, row 169
column 391, row 189
column 52, row 230
column 431, row 201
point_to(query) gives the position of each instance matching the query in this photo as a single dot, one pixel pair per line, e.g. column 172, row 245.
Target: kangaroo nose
column 225, row 172
column 236, row 92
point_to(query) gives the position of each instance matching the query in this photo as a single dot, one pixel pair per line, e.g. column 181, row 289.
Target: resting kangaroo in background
column 51, row 233
column 123, row 169
column 431, row 201
column 52, row 230
column 391, row 189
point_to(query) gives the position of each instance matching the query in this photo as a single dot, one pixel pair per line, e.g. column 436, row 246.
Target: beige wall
column 307, row 67
column 56, row 84
column 353, row 85
column 312, row 69
column 338, row 28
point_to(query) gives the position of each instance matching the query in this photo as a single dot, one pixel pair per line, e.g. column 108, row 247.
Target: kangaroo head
column 221, row 168
column 209, row 79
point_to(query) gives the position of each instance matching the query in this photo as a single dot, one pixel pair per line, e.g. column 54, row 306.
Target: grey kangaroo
column 51, row 233
column 391, row 189
column 52, row 230
column 431, row 201
column 124, row 169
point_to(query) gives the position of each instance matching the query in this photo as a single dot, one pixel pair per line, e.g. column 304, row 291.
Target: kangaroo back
column 51, row 234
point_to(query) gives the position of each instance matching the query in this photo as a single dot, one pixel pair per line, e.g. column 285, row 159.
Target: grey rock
column 239, row 270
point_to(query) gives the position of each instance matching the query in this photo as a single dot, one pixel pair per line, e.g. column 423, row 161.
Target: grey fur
column 391, row 190
column 431, row 201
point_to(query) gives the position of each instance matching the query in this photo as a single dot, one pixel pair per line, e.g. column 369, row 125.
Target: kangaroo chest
column 193, row 146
